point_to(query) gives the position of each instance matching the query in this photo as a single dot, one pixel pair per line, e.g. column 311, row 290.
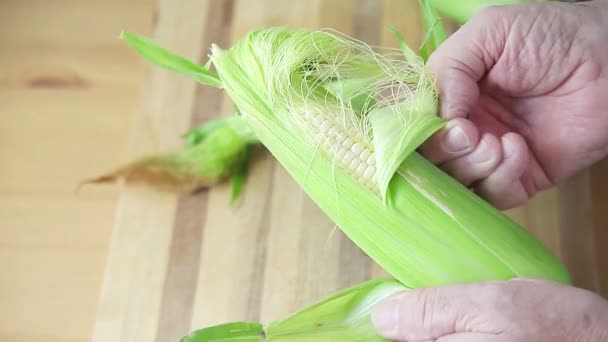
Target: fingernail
column 454, row 140
column 386, row 316
column 509, row 149
column 481, row 153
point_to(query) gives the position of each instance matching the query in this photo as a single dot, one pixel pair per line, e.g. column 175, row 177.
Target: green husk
column 435, row 31
column 463, row 10
column 217, row 151
column 344, row 316
column 149, row 50
column 233, row 332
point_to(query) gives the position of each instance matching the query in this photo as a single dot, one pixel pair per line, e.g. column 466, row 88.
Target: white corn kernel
column 361, row 169
column 333, row 132
column 364, row 155
column 371, row 160
column 357, row 148
column 340, row 153
column 333, row 149
column 348, row 157
column 317, row 120
column 354, row 164
column 369, row 172
column 325, row 126
column 340, row 134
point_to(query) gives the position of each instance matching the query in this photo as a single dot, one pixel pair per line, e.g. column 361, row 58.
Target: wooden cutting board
column 180, row 262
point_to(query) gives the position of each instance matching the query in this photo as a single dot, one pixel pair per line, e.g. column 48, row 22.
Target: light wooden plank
column 140, row 246
column 73, row 67
column 56, row 94
column 577, row 231
column 47, row 134
column 52, row 253
column 405, row 17
column 71, row 22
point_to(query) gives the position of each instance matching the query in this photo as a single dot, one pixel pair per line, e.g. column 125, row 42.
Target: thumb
column 416, row 315
column 433, row 313
column 465, row 58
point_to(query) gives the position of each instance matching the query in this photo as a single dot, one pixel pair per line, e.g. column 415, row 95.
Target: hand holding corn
column 532, row 78
column 507, row 311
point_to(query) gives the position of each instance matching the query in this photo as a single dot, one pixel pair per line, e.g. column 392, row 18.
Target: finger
column 417, row 315
column 474, row 337
column 459, row 137
column 478, row 164
column 428, row 314
column 503, row 187
column 462, row 61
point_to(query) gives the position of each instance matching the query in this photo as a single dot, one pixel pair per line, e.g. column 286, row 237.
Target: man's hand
column 526, row 89
column 533, row 80
column 502, row 311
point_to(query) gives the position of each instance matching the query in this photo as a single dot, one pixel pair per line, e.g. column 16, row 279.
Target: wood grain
column 137, row 263
column 68, row 91
column 182, row 262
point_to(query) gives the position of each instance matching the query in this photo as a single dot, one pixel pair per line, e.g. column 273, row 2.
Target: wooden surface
column 68, row 92
column 182, row 262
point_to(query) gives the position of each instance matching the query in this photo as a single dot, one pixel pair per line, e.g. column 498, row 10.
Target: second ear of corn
column 343, row 316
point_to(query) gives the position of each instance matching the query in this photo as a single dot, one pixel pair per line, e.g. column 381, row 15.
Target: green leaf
column 196, row 135
column 435, row 30
column 399, row 130
column 342, row 316
column 236, row 123
column 155, row 54
column 410, row 55
column 353, row 89
column 233, row 332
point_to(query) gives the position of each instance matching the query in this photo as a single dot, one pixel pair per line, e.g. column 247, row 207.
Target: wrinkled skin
column 519, row 310
column 526, row 90
column 534, row 80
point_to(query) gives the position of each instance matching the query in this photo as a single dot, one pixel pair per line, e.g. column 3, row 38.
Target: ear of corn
column 422, row 232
